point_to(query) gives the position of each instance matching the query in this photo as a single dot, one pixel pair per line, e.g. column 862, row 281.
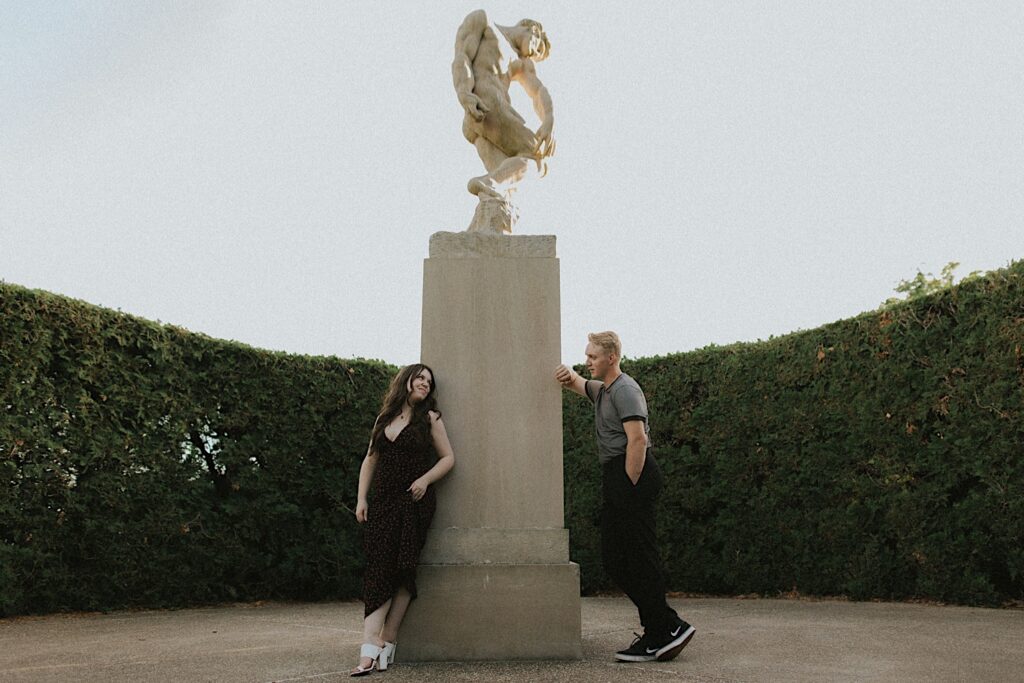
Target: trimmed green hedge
column 878, row 457
column 145, row 465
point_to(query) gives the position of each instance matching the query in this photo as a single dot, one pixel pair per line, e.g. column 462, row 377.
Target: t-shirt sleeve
column 630, row 404
column 592, row 386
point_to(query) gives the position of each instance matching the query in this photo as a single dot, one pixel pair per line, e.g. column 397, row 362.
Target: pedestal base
column 488, row 612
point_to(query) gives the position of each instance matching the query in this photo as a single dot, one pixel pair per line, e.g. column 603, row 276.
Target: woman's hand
column 419, row 488
column 361, row 508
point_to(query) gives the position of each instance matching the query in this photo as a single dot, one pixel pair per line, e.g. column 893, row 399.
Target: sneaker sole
column 635, row 658
column 672, row 650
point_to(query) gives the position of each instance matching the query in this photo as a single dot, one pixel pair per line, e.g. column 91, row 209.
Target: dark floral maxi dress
column 396, row 526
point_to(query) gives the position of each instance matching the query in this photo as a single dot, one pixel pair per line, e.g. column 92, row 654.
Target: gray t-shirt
column 614, row 404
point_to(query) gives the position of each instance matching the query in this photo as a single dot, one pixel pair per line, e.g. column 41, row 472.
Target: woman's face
column 419, row 386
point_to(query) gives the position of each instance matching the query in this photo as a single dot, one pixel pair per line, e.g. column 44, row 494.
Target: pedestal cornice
column 483, row 245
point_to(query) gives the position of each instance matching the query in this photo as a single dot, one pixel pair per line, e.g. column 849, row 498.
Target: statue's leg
column 494, row 214
column 503, row 172
column 510, row 172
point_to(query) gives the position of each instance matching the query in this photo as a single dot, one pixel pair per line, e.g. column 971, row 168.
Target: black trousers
column 629, row 544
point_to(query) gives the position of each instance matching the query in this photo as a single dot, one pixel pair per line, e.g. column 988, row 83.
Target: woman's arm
column 366, row 471
column 445, row 458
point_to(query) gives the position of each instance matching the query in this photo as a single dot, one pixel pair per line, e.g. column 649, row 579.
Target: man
column 631, row 480
column 481, row 75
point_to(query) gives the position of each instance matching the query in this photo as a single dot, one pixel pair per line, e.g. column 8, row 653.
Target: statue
column 506, row 146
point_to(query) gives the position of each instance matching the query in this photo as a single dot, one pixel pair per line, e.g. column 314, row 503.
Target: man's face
column 599, row 361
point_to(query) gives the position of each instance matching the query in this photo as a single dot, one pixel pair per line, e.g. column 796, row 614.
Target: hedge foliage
column 145, row 465
column 877, row 457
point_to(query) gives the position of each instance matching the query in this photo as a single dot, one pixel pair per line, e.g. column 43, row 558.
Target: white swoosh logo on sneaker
column 676, row 632
column 652, row 650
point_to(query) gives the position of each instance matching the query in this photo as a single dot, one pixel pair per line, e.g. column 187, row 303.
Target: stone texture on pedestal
column 495, row 579
column 483, row 245
column 455, row 545
column 505, row 611
column 493, row 216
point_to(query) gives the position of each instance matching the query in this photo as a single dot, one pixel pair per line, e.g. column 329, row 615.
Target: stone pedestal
column 495, row 579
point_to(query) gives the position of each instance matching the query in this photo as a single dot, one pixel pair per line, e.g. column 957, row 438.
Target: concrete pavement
column 737, row 640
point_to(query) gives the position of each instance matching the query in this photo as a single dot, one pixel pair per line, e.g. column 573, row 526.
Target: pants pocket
column 650, row 481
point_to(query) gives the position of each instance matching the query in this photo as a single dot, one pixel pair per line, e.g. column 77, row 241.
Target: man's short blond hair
column 608, row 341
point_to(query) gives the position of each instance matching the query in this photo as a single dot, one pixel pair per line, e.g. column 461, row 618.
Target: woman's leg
column 373, row 623
column 399, row 604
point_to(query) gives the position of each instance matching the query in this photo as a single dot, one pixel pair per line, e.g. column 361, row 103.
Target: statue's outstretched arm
column 467, row 42
column 525, row 72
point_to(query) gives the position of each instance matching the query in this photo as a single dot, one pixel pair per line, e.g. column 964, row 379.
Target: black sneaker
column 671, row 645
column 642, row 650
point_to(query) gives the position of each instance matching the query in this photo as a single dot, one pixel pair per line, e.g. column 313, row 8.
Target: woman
column 409, row 451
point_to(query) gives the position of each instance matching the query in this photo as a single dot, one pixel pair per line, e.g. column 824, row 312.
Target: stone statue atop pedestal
column 508, row 148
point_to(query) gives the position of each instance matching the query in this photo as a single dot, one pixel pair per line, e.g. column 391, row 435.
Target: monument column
column 495, row 580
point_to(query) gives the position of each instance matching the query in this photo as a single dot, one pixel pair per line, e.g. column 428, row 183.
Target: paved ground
column 737, row 640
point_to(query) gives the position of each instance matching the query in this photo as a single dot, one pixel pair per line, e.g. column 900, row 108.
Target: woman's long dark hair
column 397, row 395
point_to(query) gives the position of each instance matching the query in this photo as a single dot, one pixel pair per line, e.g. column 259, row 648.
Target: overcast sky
column 725, row 171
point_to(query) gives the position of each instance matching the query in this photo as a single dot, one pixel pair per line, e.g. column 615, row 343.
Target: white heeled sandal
column 370, row 651
column 387, row 655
